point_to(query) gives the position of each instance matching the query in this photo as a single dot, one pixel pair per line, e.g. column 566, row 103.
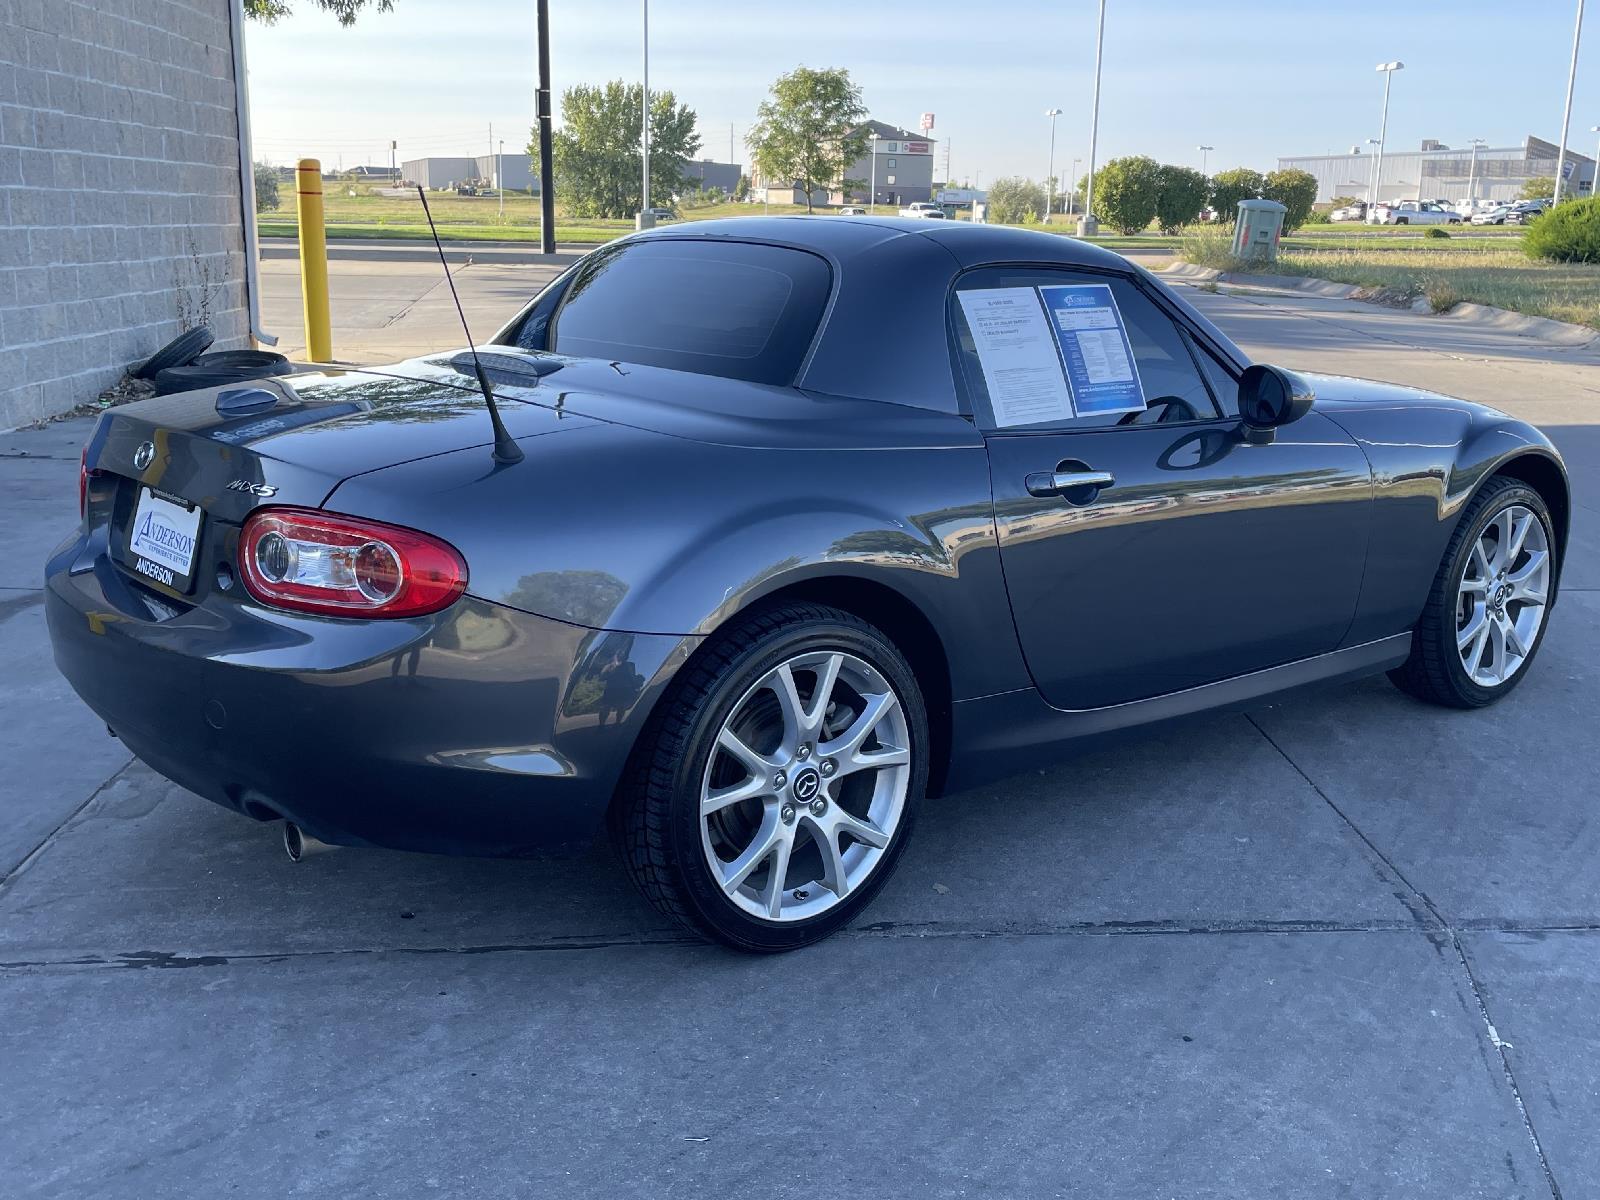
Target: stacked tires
column 183, row 365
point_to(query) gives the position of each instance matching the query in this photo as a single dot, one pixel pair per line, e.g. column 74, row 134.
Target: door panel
column 1208, row 557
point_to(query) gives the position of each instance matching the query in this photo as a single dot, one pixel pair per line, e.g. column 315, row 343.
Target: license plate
column 162, row 540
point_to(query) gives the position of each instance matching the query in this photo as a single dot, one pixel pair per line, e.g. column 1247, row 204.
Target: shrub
column 266, row 187
column 1230, row 187
column 1296, row 190
column 1209, row 246
column 1569, row 232
column 1435, row 231
column 1126, row 191
column 1013, row 198
column 1317, row 217
column 1182, row 193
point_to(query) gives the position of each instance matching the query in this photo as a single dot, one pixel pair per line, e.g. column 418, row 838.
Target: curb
column 1544, row 329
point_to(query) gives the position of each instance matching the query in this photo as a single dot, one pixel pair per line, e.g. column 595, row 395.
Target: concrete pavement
column 1345, row 945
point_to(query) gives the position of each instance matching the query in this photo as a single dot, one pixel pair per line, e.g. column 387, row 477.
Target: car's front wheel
column 1485, row 616
column 776, row 790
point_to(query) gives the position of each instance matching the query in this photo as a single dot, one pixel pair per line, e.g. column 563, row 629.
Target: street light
column 1087, row 225
column 1388, row 69
column 500, row 176
column 1472, row 173
column 1204, row 150
column 1594, row 175
column 1072, row 186
column 1050, row 175
column 872, row 148
column 646, row 218
column 1566, row 113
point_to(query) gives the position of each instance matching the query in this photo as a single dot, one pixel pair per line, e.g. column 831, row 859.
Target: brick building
column 122, row 218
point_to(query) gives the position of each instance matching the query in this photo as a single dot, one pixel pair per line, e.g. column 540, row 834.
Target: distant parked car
column 1492, row 216
column 1356, row 211
column 662, row 214
column 852, row 210
column 1416, row 212
column 1526, row 210
column 923, row 210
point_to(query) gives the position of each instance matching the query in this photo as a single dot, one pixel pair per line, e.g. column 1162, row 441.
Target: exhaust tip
column 297, row 843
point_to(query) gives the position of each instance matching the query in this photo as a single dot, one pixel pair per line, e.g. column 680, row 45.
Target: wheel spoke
column 1472, row 640
column 1513, row 640
column 1497, row 645
column 1528, row 584
column 761, row 846
column 721, row 798
column 777, row 877
column 755, row 763
column 834, row 877
column 872, row 760
column 827, row 676
column 846, row 745
column 794, row 713
column 1480, row 561
column 862, row 831
column 1519, row 535
column 1502, row 525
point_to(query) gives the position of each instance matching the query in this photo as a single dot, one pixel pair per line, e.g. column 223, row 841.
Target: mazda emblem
column 806, row 784
column 144, row 455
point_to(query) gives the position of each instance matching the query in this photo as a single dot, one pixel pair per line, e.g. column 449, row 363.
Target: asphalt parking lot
column 1342, row 946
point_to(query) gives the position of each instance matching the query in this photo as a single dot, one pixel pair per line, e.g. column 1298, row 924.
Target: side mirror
column 1270, row 397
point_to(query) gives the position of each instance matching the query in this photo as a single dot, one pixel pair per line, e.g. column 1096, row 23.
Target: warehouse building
column 1440, row 172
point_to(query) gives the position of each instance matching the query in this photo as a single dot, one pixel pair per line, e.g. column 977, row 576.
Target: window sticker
column 1020, row 365
column 1094, row 348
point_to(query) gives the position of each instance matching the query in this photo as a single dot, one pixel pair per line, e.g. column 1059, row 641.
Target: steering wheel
column 1173, row 408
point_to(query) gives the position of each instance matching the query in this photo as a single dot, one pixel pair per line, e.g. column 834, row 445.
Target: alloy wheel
column 805, row 786
column 1502, row 596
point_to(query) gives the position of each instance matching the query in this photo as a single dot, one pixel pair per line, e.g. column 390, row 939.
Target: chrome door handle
column 1059, row 483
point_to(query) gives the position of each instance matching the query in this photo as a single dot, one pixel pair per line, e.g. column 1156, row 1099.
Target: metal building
column 1439, row 172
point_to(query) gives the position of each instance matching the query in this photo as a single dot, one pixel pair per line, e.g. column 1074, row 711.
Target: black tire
column 260, row 362
column 1434, row 672
column 180, row 351
column 204, row 375
column 656, row 821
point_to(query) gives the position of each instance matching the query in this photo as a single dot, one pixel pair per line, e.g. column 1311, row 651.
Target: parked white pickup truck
column 923, row 210
column 1416, row 212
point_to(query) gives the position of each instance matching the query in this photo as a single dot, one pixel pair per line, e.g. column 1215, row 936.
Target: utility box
column 1255, row 234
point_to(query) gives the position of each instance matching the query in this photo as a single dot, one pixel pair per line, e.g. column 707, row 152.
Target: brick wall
column 120, row 219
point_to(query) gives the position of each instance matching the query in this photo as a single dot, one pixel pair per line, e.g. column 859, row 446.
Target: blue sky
column 1254, row 78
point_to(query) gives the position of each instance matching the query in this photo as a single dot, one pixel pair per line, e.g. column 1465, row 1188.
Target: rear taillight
column 83, row 483
column 343, row 566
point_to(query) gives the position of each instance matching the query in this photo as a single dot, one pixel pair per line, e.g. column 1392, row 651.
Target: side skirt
column 995, row 736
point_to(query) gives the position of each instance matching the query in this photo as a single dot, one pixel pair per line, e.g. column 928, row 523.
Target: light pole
column 1204, row 151
column 1472, row 174
column 646, row 217
column 1087, row 225
column 1566, row 113
column 872, row 149
column 1072, row 188
column 1594, row 175
column 1050, row 175
column 1388, row 69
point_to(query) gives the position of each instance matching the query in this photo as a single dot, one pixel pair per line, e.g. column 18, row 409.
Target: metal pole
column 1594, row 173
column 1388, row 70
column 1566, row 113
column 547, row 188
column 1072, row 188
column 1050, row 175
column 1087, row 224
column 644, row 136
column 500, row 175
column 872, row 199
column 1472, row 176
column 313, row 261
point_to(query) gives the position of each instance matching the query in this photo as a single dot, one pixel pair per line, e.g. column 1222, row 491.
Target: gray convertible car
column 792, row 522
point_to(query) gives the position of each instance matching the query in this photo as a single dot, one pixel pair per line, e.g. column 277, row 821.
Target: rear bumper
column 479, row 730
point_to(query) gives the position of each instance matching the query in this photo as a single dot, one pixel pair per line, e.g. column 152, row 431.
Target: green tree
column 266, row 177
column 268, row 11
column 1296, row 190
column 1126, row 191
column 1230, row 187
column 1182, row 193
column 597, row 152
column 1013, row 199
column 1540, row 187
column 809, row 129
column 741, row 190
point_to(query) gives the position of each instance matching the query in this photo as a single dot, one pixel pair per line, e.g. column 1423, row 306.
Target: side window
column 1164, row 355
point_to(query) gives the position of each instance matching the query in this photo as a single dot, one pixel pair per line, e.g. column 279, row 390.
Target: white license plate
column 164, row 536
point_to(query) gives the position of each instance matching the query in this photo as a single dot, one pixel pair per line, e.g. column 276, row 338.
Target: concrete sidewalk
column 1342, row 946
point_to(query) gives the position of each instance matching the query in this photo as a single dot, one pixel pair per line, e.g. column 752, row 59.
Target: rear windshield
column 735, row 309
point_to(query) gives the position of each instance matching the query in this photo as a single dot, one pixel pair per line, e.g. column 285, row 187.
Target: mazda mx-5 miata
column 790, row 523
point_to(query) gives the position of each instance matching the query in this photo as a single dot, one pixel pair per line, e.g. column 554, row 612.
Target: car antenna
column 506, row 449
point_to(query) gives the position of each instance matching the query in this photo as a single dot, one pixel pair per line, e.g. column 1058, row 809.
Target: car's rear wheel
column 776, row 790
column 1485, row 616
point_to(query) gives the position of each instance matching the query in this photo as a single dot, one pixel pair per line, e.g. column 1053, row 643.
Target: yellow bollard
column 313, row 261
